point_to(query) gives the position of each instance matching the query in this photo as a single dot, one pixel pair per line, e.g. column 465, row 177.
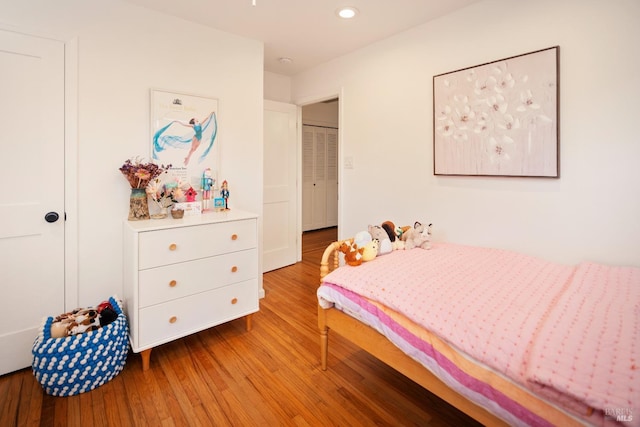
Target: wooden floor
column 226, row 376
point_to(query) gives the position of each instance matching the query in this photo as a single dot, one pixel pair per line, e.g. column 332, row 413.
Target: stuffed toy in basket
column 78, row 363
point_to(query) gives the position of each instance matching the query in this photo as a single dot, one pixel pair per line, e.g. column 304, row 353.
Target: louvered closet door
column 319, row 210
column 319, row 177
column 307, row 177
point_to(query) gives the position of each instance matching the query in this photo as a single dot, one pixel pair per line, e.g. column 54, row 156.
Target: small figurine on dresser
column 207, row 186
column 224, row 193
column 191, row 194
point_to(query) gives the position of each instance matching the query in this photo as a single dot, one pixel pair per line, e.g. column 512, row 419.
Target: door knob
column 51, row 216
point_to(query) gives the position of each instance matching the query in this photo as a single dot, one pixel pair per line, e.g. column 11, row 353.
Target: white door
column 280, row 219
column 32, row 173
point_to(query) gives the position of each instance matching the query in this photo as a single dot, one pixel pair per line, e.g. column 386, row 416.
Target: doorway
column 314, row 243
column 320, row 155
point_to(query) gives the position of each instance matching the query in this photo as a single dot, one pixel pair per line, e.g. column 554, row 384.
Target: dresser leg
column 146, row 356
column 249, row 320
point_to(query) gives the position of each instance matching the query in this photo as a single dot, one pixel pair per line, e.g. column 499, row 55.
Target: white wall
column 122, row 52
column 591, row 213
column 277, row 87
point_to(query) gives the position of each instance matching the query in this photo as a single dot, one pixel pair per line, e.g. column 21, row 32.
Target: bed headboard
column 329, row 263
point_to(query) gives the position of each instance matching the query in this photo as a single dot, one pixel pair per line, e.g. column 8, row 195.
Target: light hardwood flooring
column 226, row 376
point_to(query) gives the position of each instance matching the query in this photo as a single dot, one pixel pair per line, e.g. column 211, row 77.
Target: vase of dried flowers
column 138, row 204
column 139, row 174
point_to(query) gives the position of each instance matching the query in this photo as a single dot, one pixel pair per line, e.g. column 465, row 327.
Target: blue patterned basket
column 79, row 363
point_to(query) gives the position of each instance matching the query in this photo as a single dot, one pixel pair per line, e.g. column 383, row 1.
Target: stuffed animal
column 59, row 329
column 362, row 238
column 384, row 244
column 106, row 312
column 390, row 228
column 370, row 251
column 397, row 245
column 352, row 254
column 417, row 237
column 83, row 320
column 394, row 234
column 107, row 316
column 75, row 322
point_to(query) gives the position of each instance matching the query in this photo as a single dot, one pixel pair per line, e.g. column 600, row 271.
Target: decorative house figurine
column 190, row 206
column 191, row 194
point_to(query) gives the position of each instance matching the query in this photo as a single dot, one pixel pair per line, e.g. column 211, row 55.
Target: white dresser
column 185, row 275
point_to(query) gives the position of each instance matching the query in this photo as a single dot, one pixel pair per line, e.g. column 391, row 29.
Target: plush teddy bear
column 417, row 237
column 352, row 254
column 384, row 243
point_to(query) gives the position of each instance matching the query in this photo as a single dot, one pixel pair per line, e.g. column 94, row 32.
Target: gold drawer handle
column 173, row 319
column 173, row 247
column 234, row 237
column 234, row 269
column 234, row 301
column 173, row 284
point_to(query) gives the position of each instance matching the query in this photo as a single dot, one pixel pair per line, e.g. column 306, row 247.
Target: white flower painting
column 499, row 118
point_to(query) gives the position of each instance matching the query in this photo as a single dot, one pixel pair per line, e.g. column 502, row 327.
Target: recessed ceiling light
column 347, row 12
column 285, row 60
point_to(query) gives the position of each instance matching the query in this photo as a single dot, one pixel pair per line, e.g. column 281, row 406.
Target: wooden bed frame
column 380, row 347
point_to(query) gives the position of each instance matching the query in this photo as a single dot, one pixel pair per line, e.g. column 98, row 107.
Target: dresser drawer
column 170, row 246
column 161, row 284
column 174, row 319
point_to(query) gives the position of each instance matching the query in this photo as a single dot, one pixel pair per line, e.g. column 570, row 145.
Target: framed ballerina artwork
column 184, row 133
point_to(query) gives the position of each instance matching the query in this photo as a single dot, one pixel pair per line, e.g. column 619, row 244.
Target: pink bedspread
column 502, row 308
column 587, row 352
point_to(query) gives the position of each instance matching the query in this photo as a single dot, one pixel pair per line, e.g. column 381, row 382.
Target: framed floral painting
column 499, row 118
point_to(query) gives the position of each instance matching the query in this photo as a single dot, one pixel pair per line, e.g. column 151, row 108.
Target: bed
column 507, row 338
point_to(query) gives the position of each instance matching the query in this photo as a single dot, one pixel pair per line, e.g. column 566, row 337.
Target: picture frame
column 219, row 204
column 184, row 134
column 499, row 118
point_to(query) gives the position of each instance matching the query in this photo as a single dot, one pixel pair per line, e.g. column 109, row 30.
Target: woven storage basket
column 71, row 365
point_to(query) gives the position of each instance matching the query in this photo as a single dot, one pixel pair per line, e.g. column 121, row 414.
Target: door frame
column 314, row 99
column 71, row 267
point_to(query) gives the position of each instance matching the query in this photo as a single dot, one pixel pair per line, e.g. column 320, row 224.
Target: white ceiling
column 307, row 31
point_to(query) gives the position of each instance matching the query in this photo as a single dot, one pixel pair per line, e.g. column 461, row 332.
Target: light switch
column 348, row 162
